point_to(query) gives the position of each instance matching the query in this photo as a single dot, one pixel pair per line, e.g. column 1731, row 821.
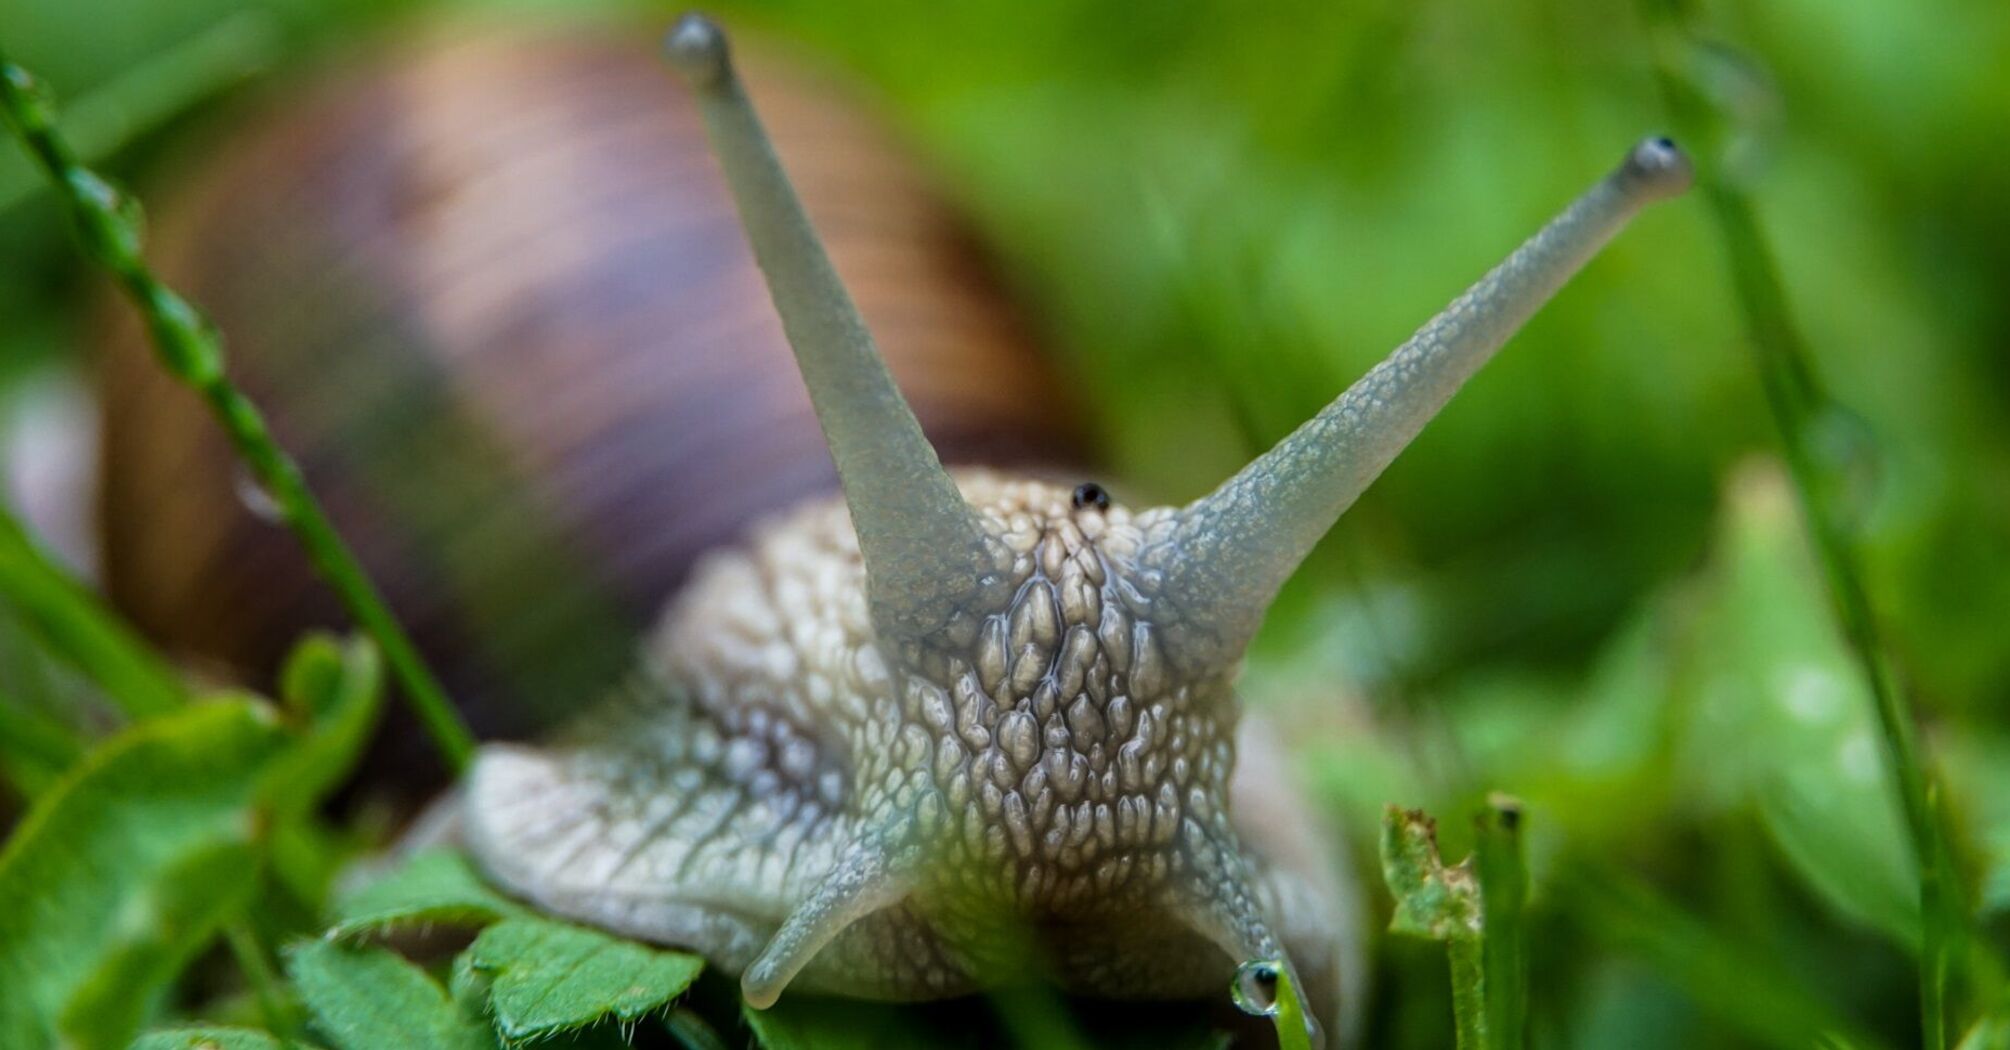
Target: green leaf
column 334, row 692
column 1432, row 900
column 338, row 691
column 546, row 977
column 436, row 886
column 367, row 998
column 212, row 1038
column 119, row 873
column 192, row 901
column 1782, row 720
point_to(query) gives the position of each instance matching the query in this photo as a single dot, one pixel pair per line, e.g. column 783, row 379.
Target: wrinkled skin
column 1038, row 782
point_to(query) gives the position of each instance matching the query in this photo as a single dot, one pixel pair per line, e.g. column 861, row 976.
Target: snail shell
column 491, row 289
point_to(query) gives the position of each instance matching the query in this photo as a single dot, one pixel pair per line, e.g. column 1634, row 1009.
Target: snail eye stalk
column 924, row 548
column 1232, row 549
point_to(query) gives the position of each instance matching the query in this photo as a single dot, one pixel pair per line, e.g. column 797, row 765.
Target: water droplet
column 115, row 218
column 188, row 342
column 1748, row 108
column 1846, row 450
column 37, row 101
column 1255, row 987
column 256, row 498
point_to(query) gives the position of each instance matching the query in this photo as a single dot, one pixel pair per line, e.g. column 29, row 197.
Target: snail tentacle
column 862, row 882
column 1231, row 550
column 924, row 547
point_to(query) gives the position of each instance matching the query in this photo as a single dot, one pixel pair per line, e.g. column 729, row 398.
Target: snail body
column 906, row 742
column 875, row 744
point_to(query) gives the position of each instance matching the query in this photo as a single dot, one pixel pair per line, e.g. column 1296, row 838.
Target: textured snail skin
column 1040, row 764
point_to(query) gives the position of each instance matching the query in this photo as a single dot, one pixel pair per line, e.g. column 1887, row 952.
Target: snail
column 898, row 742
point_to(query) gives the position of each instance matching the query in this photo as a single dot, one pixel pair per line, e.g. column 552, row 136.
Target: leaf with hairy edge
column 368, row 998
column 546, row 977
column 213, row 1038
column 121, row 872
column 434, row 886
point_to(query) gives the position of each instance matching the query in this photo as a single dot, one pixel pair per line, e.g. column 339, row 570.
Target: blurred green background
column 1587, row 584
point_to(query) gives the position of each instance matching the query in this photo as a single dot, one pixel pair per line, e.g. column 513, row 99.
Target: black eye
column 1090, row 494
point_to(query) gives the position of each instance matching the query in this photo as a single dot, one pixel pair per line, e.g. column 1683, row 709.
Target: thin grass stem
column 261, row 976
column 153, row 91
column 1798, row 403
column 192, row 351
column 1503, row 872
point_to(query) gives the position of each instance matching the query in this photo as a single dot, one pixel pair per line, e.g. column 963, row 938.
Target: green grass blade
column 35, row 750
column 1798, row 404
column 75, row 624
column 192, row 351
column 1741, row 984
column 155, row 91
column 1503, row 871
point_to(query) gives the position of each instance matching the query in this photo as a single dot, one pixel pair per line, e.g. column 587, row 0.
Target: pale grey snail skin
column 885, row 743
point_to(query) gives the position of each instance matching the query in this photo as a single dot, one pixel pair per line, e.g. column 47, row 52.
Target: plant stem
column 192, row 351
column 1289, row 1020
column 1797, row 402
column 154, row 91
column 1469, row 992
column 1503, row 873
column 260, row 975
column 1443, row 904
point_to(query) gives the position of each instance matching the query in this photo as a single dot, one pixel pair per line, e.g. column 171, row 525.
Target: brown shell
column 492, row 291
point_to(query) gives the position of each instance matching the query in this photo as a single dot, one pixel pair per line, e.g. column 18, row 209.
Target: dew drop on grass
column 37, row 101
column 1852, row 468
column 118, row 219
column 256, row 498
column 1255, row 988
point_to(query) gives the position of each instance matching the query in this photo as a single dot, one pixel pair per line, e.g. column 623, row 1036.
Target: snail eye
column 1090, row 494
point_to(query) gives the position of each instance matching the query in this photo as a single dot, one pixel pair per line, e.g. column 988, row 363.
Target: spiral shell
column 492, row 291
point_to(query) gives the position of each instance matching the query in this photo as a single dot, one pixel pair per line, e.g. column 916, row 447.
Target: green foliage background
column 1587, row 584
